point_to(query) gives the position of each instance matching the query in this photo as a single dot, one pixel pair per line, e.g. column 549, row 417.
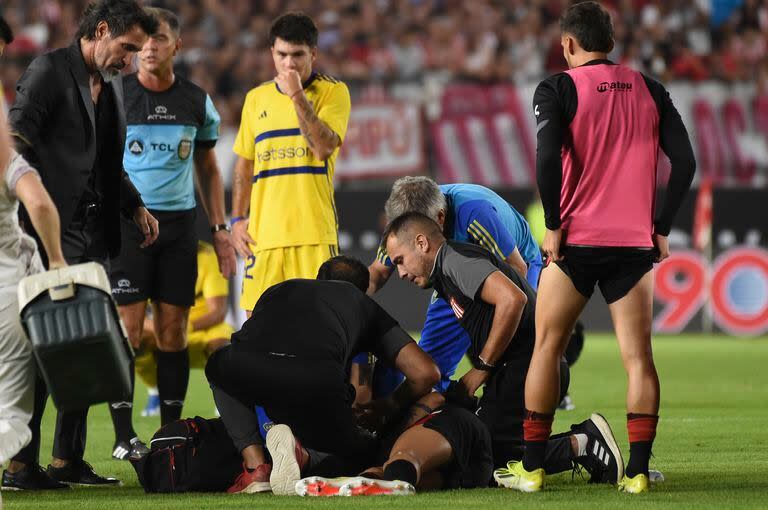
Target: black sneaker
column 79, row 472
column 603, row 458
column 133, row 449
column 31, row 478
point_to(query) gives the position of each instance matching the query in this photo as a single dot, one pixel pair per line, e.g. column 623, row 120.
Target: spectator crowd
column 385, row 43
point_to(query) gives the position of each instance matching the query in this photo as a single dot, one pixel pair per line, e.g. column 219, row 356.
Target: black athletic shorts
column 471, row 465
column 502, row 407
column 165, row 271
column 615, row 270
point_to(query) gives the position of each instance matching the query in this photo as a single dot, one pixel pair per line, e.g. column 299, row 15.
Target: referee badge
column 185, row 149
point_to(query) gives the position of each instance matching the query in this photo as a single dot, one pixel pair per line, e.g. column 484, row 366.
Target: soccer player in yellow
column 283, row 211
column 206, row 332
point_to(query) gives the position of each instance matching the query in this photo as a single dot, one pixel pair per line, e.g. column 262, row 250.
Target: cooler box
column 77, row 337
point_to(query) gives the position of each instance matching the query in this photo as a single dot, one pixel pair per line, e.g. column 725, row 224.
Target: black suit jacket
column 53, row 122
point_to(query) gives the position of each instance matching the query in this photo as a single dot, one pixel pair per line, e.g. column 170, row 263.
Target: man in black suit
column 68, row 122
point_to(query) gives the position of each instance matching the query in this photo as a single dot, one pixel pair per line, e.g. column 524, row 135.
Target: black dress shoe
column 79, row 472
column 31, row 478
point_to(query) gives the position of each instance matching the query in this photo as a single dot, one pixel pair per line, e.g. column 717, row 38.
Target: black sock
column 122, row 415
column 639, row 454
column 401, row 470
column 172, row 381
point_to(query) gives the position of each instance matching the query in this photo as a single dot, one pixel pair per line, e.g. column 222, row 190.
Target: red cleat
column 249, row 482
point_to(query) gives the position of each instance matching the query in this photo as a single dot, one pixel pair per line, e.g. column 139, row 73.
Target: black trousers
column 502, row 409
column 312, row 397
column 83, row 241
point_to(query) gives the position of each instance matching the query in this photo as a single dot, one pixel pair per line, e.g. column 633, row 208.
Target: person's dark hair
column 120, row 16
column 164, row 15
column 406, row 223
column 6, row 34
column 346, row 269
column 295, row 28
column 590, row 24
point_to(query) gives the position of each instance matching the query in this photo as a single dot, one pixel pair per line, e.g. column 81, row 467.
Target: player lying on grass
column 496, row 306
column 292, row 357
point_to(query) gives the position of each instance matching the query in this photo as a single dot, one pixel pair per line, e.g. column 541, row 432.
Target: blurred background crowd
column 411, row 47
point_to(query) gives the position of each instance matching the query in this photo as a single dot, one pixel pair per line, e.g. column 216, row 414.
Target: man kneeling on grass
column 292, row 358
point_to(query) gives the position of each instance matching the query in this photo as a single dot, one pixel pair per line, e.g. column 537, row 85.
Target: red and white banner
column 383, row 139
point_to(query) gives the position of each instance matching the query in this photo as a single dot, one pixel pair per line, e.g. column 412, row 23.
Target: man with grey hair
column 466, row 213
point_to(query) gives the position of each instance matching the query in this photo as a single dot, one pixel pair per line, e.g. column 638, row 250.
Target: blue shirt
column 163, row 130
column 477, row 215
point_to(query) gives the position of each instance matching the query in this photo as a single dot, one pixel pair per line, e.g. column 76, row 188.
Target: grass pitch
column 712, row 443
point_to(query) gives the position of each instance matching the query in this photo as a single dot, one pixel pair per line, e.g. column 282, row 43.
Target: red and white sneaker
column 288, row 459
column 361, row 486
column 318, row 486
column 249, row 482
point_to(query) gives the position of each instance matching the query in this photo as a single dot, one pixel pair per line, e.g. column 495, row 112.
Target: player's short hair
column 6, row 34
column 120, row 16
column 414, row 194
column 590, row 24
column 406, row 226
column 346, row 269
column 295, row 28
column 164, row 15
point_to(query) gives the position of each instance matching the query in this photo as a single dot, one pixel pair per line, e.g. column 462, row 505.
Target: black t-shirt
column 458, row 277
column 320, row 320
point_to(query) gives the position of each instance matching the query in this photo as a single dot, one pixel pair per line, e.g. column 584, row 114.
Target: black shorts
column 615, row 270
column 502, row 407
column 471, row 465
column 165, row 271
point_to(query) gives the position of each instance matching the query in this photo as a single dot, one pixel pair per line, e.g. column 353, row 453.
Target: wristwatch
column 220, row 227
column 482, row 365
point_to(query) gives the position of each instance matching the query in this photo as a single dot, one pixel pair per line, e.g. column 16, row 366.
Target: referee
column 600, row 127
column 172, row 128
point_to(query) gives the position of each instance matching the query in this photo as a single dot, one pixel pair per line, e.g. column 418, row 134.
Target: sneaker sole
column 254, row 487
column 605, row 429
column 395, row 488
column 500, row 480
column 302, row 486
column 285, row 470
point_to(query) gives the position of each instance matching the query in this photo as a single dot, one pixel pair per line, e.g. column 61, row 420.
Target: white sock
column 152, row 392
column 581, row 441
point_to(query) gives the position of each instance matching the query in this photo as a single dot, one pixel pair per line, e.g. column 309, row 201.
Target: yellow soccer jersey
column 292, row 201
column 209, row 282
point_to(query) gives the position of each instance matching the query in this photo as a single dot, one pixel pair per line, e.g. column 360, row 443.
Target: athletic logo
column 124, row 283
column 162, row 110
column 263, row 115
column 161, row 113
column 124, row 287
column 135, row 147
column 536, row 111
column 457, row 310
column 185, row 149
column 619, row 86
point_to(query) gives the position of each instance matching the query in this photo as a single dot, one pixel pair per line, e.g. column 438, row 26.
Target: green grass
column 712, row 443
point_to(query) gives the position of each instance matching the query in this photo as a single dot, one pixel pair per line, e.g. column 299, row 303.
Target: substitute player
column 206, row 330
column 172, row 127
column 600, row 127
column 283, row 212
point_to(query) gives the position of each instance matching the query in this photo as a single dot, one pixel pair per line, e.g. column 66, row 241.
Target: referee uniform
column 292, row 215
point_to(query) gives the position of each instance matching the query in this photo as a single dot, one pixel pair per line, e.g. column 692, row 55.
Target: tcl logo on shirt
column 457, row 310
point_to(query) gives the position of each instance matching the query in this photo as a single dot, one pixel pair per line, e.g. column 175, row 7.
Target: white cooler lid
column 60, row 283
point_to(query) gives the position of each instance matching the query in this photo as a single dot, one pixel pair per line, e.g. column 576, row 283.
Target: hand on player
column 374, row 415
column 148, row 226
column 551, row 244
column 225, row 253
column 289, row 82
column 241, row 240
column 662, row 247
column 473, row 379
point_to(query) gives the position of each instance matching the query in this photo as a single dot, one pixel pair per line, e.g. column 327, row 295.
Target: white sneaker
column 286, row 454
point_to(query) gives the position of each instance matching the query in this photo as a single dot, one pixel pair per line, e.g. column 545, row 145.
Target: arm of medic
column 421, row 374
column 28, row 188
column 487, row 229
column 509, row 301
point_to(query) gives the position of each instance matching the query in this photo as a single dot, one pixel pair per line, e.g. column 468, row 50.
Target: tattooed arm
column 322, row 139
